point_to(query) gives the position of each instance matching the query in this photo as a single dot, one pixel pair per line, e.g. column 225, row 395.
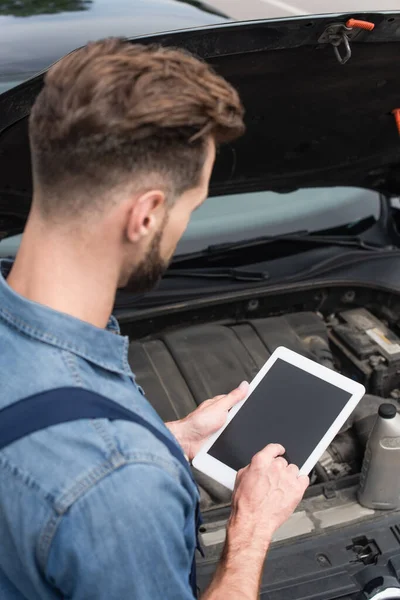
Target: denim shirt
column 89, row 509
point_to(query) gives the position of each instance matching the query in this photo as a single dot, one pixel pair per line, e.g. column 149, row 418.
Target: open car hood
column 311, row 121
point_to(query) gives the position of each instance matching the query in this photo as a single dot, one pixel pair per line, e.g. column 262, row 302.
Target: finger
column 304, row 482
column 293, row 470
column 226, row 402
column 217, row 398
column 273, row 451
column 281, row 462
column 267, row 456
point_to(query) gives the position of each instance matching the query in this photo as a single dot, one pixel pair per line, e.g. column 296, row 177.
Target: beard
column 150, row 270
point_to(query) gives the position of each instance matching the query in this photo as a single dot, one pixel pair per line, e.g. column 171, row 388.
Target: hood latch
column 340, row 34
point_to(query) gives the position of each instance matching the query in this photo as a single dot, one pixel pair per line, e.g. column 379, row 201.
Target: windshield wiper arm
column 298, row 236
column 353, row 241
column 233, row 274
column 264, row 239
column 224, row 248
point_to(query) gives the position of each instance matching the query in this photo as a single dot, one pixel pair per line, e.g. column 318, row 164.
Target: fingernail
column 243, row 386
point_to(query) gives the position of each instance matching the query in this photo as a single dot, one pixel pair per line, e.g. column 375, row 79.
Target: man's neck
column 66, row 274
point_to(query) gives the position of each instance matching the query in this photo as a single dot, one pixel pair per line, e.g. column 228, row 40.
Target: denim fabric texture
column 91, row 509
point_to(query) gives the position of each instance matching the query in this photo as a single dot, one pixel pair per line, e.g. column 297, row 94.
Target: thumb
column 234, row 397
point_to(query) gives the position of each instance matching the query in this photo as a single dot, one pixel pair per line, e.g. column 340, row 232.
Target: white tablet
column 292, row 401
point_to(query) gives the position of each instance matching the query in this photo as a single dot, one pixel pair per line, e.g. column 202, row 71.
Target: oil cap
column 387, row 411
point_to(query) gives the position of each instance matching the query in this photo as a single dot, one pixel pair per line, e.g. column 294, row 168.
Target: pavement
column 264, row 9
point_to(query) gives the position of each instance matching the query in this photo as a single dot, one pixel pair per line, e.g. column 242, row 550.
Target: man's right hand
column 266, row 494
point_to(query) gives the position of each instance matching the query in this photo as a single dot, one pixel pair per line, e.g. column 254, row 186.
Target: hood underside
column 311, row 122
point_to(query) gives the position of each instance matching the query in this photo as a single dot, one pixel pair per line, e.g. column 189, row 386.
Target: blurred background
column 263, row 9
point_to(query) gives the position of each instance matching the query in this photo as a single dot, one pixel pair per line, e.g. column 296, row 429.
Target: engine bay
column 181, row 367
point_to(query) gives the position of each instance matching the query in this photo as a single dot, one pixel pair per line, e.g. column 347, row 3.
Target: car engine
column 180, row 368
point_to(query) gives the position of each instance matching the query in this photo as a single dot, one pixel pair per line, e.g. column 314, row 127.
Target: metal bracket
column 336, row 45
column 366, row 550
column 329, row 490
column 337, row 34
column 336, row 30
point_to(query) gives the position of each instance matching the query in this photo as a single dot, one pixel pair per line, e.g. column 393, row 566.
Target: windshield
column 243, row 216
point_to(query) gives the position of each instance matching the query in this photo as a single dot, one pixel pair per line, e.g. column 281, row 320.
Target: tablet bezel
column 224, row 474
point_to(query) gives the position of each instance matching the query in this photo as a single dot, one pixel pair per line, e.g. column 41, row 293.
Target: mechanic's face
column 146, row 274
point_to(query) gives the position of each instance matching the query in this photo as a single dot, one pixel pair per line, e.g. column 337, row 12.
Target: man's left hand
column 193, row 431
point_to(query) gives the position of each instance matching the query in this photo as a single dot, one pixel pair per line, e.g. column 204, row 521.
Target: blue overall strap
column 63, row 405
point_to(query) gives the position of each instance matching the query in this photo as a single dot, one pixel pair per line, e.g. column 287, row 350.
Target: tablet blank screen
column 289, row 407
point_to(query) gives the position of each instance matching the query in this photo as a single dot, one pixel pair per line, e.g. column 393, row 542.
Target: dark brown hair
column 115, row 113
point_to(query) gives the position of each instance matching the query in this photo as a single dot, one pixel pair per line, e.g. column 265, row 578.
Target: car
column 36, row 33
column 298, row 245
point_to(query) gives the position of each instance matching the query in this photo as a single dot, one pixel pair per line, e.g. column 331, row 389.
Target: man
column 123, row 141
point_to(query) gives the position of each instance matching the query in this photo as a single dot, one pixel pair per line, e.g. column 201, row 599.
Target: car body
column 36, row 33
column 298, row 245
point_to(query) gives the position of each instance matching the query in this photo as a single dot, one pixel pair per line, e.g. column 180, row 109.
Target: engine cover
column 180, row 369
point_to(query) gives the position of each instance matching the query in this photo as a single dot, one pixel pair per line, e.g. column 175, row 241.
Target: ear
column 146, row 214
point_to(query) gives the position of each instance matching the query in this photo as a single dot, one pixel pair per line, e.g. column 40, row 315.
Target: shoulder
column 28, row 366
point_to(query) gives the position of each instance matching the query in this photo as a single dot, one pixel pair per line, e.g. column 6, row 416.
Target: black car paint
column 36, row 33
